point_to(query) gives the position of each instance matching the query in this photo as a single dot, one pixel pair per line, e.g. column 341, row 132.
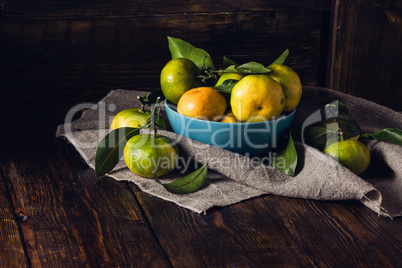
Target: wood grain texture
column 242, row 235
column 72, row 217
column 347, row 234
column 367, row 50
column 275, row 231
column 12, row 252
column 49, row 57
column 91, row 8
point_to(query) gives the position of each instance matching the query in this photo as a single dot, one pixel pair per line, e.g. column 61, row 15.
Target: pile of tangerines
column 254, row 98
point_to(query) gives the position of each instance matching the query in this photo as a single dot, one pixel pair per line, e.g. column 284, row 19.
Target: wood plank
column 91, row 8
column 46, row 62
column 340, row 234
column 248, row 234
column 317, row 233
column 73, row 217
column 366, row 49
column 12, row 253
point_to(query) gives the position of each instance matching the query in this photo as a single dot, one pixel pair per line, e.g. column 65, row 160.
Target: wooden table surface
column 55, row 212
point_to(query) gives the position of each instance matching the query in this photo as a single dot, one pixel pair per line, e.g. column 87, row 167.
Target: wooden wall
column 367, row 50
column 54, row 54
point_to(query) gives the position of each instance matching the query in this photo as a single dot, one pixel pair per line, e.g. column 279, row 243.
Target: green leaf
column 228, row 62
column 153, row 96
column 182, row 49
column 392, row 135
column 111, row 148
column 337, row 108
column 227, row 85
column 252, row 68
column 231, row 69
column 282, row 58
column 247, row 68
column 187, row 184
column 286, row 160
column 323, row 133
column 320, row 137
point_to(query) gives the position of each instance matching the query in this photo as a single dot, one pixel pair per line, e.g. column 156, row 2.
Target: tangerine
column 135, row 117
column 350, row 153
column 290, row 83
column 178, row 76
column 148, row 155
column 203, row 103
column 257, row 98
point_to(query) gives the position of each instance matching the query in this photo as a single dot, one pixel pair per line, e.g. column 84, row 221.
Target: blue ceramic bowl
column 254, row 139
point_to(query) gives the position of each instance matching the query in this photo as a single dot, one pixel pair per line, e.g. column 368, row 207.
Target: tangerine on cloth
column 233, row 178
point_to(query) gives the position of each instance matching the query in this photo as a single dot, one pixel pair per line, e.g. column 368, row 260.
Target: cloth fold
column 233, row 178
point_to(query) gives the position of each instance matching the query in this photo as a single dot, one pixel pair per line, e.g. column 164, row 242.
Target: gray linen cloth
column 232, row 177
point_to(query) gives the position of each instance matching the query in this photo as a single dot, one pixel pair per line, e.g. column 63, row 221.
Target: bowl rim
column 281, row 117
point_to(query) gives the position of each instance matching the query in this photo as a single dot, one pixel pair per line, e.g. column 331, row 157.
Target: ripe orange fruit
column 203, row 103
column 229, row 117
column 257, row 98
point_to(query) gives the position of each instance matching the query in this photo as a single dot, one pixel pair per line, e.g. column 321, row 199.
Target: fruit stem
column 340, row 130
column 142, row 104
column 209, row 77
column 144, row 101
column 155, row 110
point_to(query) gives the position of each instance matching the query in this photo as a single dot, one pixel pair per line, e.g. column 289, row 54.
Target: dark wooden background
column 54, row 53
column 366, row 50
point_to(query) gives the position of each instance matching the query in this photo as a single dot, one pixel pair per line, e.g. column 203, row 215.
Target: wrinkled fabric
column 233, row 178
